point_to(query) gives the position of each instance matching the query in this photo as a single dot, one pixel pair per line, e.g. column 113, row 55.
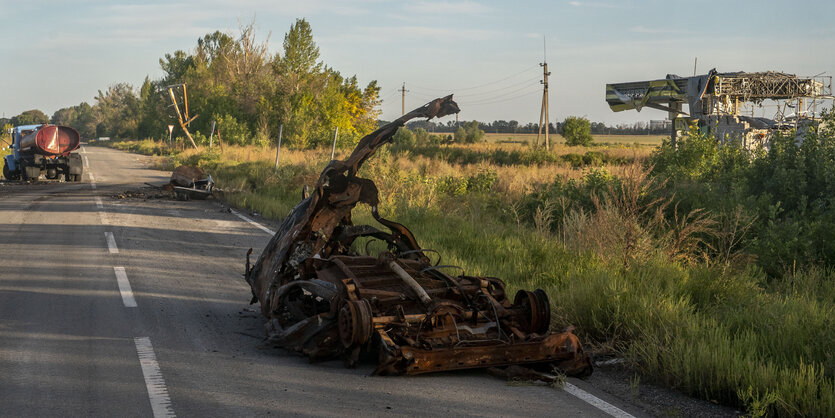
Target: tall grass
column 638, row 276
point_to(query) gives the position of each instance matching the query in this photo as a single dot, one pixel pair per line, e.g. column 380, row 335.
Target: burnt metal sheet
column 325, row 299
column 189, row 182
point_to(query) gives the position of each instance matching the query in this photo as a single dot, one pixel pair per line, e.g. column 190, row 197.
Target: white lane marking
column 261, row 227
column 83, row 150
column 124, row 287
column 98, row 203
column 86, row 163
column 157, row 392
column 92, row 180
column 111, row 243
column 596, row 402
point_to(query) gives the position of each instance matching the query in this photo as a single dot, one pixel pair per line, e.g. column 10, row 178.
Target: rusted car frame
column 324, row 299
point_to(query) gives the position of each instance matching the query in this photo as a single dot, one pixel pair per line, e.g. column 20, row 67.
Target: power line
column 505, row 100
column 491, row 92
column 480, row 85
column 502, row 97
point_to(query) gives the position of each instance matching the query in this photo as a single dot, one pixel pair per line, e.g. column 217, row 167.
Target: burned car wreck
column 324, row 299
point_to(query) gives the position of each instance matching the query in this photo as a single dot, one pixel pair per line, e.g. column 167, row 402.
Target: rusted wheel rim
column 355, row 323
column 537, row 309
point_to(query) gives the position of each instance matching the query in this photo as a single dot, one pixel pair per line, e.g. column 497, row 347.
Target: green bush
column 788, row 190
column 577, row 131
column 232, row 131
column 404, row 137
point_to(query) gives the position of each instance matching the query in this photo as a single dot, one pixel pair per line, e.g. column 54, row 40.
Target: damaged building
column 723, row 104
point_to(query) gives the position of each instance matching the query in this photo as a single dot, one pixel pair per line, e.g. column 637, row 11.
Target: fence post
column 335, row 134
column 278, row 147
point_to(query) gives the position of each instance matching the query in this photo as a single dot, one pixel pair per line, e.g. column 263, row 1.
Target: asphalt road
column 72, row 343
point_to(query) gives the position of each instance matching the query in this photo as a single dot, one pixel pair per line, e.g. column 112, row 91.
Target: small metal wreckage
column 324, row 299
column 189, row 182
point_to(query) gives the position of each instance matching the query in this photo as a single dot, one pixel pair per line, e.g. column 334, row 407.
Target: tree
column 30, row 117
column 80, row 117
column 117, row 111
column 577, row 131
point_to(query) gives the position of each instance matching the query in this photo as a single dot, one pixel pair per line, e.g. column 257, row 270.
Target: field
column 558, row 139
column 667, row 258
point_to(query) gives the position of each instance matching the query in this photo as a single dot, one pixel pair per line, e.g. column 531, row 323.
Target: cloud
column 445, row 7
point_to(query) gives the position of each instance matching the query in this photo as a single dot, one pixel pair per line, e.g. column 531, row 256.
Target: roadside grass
column 716, row 330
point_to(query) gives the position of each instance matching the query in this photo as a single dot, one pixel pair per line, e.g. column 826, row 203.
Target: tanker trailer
column 44, row 150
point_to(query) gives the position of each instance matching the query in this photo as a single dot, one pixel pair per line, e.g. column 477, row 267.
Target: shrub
column 577, row 131
column 232, row 131
column 404, row 137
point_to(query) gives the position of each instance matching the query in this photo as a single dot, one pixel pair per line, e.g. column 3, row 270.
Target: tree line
column 236, row 82
column 513, row 126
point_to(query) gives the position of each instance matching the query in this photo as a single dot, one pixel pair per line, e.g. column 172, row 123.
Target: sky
column 488, row 53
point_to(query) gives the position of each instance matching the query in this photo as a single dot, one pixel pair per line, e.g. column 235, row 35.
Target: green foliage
column 469, row 133
column 787, row 189
column 30, row 117
column 577, row 131
column 424, row 138
column 404, row 137
column 232, row 131
column 82, row 118
column 239, row 79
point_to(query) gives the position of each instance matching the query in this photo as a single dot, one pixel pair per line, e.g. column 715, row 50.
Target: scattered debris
column 144, row 193
column 189, row 182
column 324, row 299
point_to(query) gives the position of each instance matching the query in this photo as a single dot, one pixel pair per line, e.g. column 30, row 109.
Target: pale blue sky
column 59, row 53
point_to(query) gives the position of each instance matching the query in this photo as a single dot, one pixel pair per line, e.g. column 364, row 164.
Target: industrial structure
column 722, row 104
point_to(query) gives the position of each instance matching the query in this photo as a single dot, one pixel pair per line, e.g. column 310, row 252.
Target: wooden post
column 180, row 116
column 333, row 149
column 278, row 147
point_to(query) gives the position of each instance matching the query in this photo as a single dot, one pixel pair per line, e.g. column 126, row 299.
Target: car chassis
column 325, row 300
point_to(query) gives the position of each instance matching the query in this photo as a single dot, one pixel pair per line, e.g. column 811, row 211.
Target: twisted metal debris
column 324, row 299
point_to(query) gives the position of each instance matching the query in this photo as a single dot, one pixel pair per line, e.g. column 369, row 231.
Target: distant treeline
column 506, row 127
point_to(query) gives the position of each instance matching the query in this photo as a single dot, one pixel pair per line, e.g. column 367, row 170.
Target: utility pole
column 544, row 111
column 403, row 99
